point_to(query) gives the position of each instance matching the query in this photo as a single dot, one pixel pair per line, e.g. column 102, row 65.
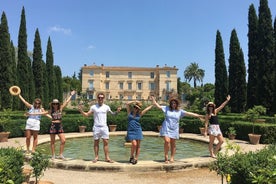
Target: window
column 91, row 85
column 129, row 86
column 91, row 73
column 168, row 85
column 107, row 85
column 138, row 97
column 129, row 75
column 129, row 97
column 168, row 74
column 121, row 85
column 139, row 86
column 151, row 86
column 151, row 75
column 107, row 74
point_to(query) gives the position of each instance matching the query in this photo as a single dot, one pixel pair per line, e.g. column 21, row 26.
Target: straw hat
column 211, row 104
column 174, row 99
column 55, row 101
column 138, row 105
column 15, row 90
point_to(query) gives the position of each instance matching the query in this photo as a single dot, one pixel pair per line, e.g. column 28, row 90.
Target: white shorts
column 100, row 132
column 214, row 130
column 32, row 124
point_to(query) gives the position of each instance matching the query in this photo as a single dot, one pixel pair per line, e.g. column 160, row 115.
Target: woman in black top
column 214, row 131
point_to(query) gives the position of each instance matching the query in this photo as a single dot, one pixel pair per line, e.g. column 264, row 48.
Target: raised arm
column 68, row 99
column 223, row 104
column 128, row 106
column 195, row 115
column 25, row 102
column 146, row 109
column 155, row 103
column 85, row 114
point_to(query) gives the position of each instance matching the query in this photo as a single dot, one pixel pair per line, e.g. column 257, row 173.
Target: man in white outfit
column 100, row 128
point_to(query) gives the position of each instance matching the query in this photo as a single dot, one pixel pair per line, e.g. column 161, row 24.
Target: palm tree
column 194, row 72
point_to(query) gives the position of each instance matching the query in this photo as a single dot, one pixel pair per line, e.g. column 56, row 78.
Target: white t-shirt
column 100, row 114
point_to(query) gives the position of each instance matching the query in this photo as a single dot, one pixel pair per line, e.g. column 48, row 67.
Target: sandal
column 134, row 162
column 131, row 160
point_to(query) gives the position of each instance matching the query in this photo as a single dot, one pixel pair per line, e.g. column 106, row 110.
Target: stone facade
column 129, row 83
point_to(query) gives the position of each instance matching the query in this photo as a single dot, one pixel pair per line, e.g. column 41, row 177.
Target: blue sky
column 142, row 33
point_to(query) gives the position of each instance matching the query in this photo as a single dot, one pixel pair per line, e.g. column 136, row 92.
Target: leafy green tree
column 6, row 62
column 193, row 72
column 23, row 74
column 237, row 75
column 266, row 59
column 221, row 78
column 38, row 67
column 253, row 66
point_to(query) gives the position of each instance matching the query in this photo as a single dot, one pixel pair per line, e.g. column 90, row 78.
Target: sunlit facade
column 129, row 83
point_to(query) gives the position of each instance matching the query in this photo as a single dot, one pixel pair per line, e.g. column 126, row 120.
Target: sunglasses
column 37, row 103
column 55, row 103
column 100, row 97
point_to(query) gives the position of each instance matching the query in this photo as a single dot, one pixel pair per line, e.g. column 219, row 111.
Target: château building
column 129, row 83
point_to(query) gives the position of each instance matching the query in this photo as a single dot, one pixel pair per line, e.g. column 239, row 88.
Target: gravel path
column 194, row 176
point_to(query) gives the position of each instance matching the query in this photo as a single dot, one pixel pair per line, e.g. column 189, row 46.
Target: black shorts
column 56, row 128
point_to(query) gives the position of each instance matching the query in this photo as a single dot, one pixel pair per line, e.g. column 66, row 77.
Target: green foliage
column 4, row 119
column 231, row 131
column 40, row 163
column 254, row 113
column 251, row 167
column 11, row 163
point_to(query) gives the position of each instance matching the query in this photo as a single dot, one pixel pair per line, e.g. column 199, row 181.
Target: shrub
column 11, row 163
column 247, row 167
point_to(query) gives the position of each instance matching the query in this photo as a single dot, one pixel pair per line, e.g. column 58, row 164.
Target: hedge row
column 72, row 119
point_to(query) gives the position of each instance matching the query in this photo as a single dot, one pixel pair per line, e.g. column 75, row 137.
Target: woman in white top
column 33, row 122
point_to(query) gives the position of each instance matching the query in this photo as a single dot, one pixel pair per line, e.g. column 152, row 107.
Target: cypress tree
column 37, row 66
column 23, row 61
column 5, row 62
column 274, row 94
column 237, row 75
column 50, row 70
column 15, row 100
column 252, row 86
column 265, row 56
column 58, row 84
column 46, row 99
column 221, row 78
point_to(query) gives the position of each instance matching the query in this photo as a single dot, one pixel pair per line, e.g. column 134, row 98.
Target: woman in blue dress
column 134, row 129
column 170, row 126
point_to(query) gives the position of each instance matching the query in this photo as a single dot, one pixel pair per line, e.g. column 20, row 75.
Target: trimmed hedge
column 72, row 119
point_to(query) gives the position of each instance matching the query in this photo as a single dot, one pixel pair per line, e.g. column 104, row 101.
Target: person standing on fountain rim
column 56, row 128
column 33, row 122
column 100, row 128
column 214, row 131
column 170, row 126
column 134, row 129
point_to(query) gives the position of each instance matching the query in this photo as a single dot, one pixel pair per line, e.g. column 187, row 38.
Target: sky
column 133, row 33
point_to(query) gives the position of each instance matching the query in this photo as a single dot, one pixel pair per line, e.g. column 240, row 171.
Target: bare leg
column 35, row 141
column 62, row 143
column 218, row 146
column 133, row 148
column 53, row 139
column 137, row 150
column 211, row 143
column 166, row 148
column 96, row 149
column 106, row 152
column 28, row 139
column 173, row 149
